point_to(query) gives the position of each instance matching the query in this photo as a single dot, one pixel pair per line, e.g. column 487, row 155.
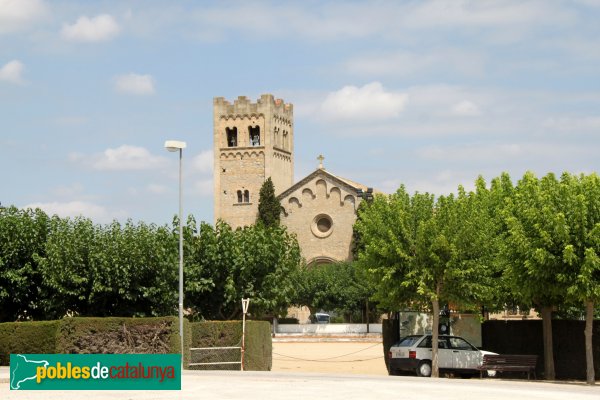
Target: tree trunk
column 435, row 372
column 548, row 349
column 589, row 353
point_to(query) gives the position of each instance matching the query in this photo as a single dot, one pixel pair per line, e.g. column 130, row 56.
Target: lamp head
column 174, row 145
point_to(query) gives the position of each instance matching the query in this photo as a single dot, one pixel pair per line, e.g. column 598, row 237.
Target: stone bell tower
column 252, row 141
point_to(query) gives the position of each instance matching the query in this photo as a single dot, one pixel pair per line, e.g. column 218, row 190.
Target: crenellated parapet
column 242, row 107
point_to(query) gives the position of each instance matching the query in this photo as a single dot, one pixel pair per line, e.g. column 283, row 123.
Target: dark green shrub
column 259, row 346
column 95, row 335
column 27, row 338
column 258, row 355
column 287, row 321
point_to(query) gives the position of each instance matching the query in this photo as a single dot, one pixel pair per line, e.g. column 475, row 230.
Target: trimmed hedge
column 27, row 337
column 259, row 346
column 94, row 335
column 258, row 354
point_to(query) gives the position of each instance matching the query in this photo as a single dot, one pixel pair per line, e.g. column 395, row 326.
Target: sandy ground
column 364, row 358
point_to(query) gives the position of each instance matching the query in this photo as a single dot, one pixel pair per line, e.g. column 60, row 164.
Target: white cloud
column 466, row 14
column 573, row 124
column 68, row 191
column 12, row 72
column 505, row 154
column 16, row 15
column 203, row 162
column 395, row 21
column 465, row 108
column 135, row 84
column 405, row 63
column 96, row 29
column 156, row 188
column 122, row 158
column 474, row 153
column 370, row 101
column 78, row 208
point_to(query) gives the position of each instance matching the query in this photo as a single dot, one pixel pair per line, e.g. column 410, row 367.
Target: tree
column 423, row 251
column 22, row 240
column 582, row 254
column 109, row 270
column 543, row 217
column 255, row 261
column 387, row 228
column 269, row 207
column 339, row 287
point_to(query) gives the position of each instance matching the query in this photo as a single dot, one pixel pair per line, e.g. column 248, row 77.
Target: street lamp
column 368, row 197
column 174, row 145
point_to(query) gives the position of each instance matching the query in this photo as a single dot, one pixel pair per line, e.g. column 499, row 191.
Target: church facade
column 255, row 141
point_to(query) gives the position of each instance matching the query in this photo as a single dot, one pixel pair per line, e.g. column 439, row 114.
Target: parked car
column 320, row 318
column 413, row 353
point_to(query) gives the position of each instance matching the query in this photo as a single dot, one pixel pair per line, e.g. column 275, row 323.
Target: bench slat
column 509, row 363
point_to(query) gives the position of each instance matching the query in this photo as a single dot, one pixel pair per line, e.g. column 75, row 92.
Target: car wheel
column 424, row 368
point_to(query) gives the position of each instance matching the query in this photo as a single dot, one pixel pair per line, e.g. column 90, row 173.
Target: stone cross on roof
column 321, row 158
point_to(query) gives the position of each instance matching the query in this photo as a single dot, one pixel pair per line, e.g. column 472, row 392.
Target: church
column 254, row 141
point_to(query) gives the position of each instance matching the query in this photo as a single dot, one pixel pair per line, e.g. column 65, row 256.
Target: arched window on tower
column 239, row 196
column 285, row 141
column 231, row 137
column 254, row 135
column 277, row 137
column 246, row 196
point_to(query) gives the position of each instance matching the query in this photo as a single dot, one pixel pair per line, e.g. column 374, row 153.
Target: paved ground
column 278, row 385
column 339, row 357
column 335, row 371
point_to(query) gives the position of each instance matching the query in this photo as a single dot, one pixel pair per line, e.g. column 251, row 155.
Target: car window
column 426, row 343
column 460, row 344
column 408, row 341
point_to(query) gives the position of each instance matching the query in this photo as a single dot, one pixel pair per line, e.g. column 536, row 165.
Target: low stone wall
column 327, row 329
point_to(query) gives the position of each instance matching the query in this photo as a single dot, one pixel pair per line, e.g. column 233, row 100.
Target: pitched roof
column 346, row 183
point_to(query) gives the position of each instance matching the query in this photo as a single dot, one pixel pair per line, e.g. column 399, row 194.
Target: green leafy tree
column 423, row 251
column 582, row 253
column 269, row 207
column 339, row 287
column 388, row 230
column 109, row 270
column 256, row 262
column 537, row 247
column 207, row 270
column 22, row 240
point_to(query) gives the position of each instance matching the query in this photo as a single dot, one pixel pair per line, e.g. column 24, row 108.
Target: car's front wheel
column 424, row 368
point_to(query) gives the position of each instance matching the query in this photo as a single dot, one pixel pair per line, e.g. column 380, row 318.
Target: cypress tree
column 269, row 207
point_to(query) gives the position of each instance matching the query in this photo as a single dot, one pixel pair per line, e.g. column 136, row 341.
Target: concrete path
column 290, row 386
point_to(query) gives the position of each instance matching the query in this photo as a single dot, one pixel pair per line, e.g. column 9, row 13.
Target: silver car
column 413, row 353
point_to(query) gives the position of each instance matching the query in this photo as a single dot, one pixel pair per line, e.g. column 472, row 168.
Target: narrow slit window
column 239, row 196
column 246, row 196
column 231, row 137
column 254, row 135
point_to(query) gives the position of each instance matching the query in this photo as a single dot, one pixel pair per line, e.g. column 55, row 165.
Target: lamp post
column 174, row 145
column 368, row 197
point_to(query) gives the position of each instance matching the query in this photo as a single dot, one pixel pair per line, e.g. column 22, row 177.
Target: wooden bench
column 508, row 362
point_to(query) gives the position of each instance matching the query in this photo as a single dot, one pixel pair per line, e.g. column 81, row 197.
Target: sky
column 426, row 94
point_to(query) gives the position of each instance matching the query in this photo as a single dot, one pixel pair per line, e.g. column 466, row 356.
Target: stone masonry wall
column 246, row 165
column 321, row 198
